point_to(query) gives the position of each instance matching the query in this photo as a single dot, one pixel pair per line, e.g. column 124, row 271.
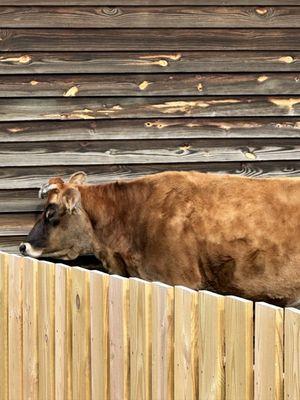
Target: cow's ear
column 71, row 200
column 78, row 178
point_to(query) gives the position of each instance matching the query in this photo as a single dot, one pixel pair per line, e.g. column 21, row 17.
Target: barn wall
column 124, row 91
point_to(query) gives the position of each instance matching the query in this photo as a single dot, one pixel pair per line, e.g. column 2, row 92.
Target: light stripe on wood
column 268, row 372
column 4, row 270
column 162, row 341
column 15, row 328
column 291, row 354
column 30, row 330
column 81, row 348
column 63, row 334
column 186, row 323
column 238, row 348
column 119, row 337
column 211, row 346
column 99, row 336
column 140, row 339
column 46, row 329
column 147, row 62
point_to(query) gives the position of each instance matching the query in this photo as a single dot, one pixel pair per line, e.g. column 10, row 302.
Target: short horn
column 45, row 189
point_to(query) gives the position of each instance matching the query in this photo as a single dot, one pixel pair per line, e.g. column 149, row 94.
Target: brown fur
column 225, row 233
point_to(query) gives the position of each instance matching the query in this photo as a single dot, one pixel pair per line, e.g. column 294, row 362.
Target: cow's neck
column 114, row 210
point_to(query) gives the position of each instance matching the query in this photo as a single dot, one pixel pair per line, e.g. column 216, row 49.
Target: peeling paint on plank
column 34, row 83
column 261, row 11
column 187, row 106
column 71, row 92
column 262, row 78
column 173, row 57
column 287, row 59
column 20, row 60
column 143, row 85
column 285, row 103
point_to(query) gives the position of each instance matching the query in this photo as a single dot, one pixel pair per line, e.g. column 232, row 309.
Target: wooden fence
column 70, row 333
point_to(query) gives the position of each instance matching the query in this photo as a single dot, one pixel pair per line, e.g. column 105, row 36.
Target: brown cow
column 219, row 232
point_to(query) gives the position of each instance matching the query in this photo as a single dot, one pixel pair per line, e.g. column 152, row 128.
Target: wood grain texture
column 99, row 336
column 150, row 17
column 4, row 325
column 148, row 151
column 30, row 330
column 29, row 39
column 186, row 357
column 150, row 107
column 27, row 62
column 162, row 341
column 162, row 128
column 268, row 371
column 291, row 352
column 238, row 348
column 211, row 346
column 31, row 178
column 119, row 350
column 149, row 85
column 81, row 330
column 144, row 2
column 140, row 339
column 46, row 330
column 15, row 328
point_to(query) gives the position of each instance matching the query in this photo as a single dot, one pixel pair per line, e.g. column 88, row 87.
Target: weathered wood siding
column 141, row 87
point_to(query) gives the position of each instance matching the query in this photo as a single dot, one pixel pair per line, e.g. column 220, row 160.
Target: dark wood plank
column 150, row 17
column 149, row 85
column 146, row 107
column 168, row 128
column 147, row 151
column 20, row 201
column 16, row 224
column 10, row 244
column 33, row 178
column 148, row 39
column 147, row 2
column 147, row 62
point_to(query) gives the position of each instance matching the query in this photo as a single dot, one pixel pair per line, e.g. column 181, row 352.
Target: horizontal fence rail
column 70, row 333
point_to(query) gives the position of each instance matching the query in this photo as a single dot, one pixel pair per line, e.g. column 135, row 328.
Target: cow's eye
column 51, row 213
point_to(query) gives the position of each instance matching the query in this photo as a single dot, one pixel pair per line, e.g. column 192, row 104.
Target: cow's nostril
column 22, row 248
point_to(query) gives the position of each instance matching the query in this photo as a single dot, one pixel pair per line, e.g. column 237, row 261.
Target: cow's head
column 64, row 230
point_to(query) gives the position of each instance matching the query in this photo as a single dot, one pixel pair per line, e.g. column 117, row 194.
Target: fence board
column 211, row 346
column 238, row 348
column 164, row 128
column 149, row 85
column 81, row 351
column 33, row 178
column 185, row 343
column 30, row 330
column 149, row 107
column 4, row 270
column 46, row 330
column 15, row 317
column 99, row 336
column 151, row 39
column 62, row 334
column 148, row 151
column 119, row 337
column 268, row 372
column 140, row 339
column 148, row 62
column 150, row 17
column 291, row 354
column 162, row 342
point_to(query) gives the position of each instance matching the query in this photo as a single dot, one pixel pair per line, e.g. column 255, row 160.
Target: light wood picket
column 4, row 265
column 238, row 348
column 292, row 352
column 15, row 328
column 185, row 341
column 46, row 330
column 119, row 337
column 162, row 341
column 30, row 330
column 70, row 333
column 99, row 335
column 211, row 346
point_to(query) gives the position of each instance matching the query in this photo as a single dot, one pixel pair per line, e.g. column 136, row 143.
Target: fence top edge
column 161, row 285
column 185, row 289
column 262, row 304
column 292, row 310
column 238, row 299
column 118, row 277
column 95, row 272
column 211, row 294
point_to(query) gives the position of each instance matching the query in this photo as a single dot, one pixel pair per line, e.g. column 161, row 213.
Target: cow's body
column 219, row 232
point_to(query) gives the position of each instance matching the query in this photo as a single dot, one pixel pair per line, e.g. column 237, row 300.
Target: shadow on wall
column 87, row 262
